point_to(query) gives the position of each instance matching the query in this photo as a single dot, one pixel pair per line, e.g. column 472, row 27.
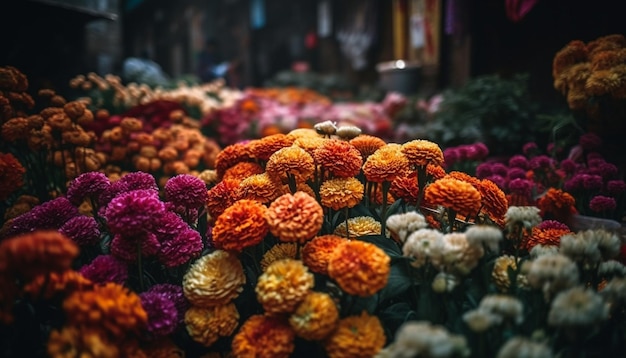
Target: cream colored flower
column 577, row 307
column 614, row 294
column 420, row 245
column 500, row 273
column 507, row 307
column 422, row 339
column 489, row 236
column 348, row 132
column 444, row 282
column 480, row 320
column 326, row 127
column 455, row 255
column 214, row 279
column 541, row 250
column 525, row 216
column 520, row 347
column 580, row 248
column 402, row 225
column 552, row 274
column 612, row 268
column 283, row 285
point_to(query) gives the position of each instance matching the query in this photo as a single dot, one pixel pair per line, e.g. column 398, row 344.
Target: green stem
column 383, row 211
column 347, row 228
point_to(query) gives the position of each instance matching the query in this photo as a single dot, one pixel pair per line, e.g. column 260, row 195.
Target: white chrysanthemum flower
column 507, row 307
column 612, row 268
column 580, row 248
column 614, row 294
column 520, row 347
column 480, row 320
column 420, row 245
column 577, row 307
column 403, row 225
column 455, row 255
column 609, row 243
column 552, row 274
column 348, row 132
column 541, row 250
column 422, row 339
column 526, row 216
column 490, row 236
column 444, row 282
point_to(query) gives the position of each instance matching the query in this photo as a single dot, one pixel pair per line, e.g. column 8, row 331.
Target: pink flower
column 181, row 248
column 600, row 203
column 106, row 268
column 82, row 229
column 615, row 187
column 134, row 212
column 483, row 170
column 186, row 190
column 518, row 161
column 126, row 247
column 87, row 185
column 590, row 141
column 552, row 224
column 162, row 313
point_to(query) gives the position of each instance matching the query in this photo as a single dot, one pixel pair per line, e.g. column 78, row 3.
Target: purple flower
column 125, row 247
column 49, row 215
column 520, row 186
column 87, row 185
column 590, row 141
column 170, row 224
column 615, row 187
column 175, row 294
column 139, row 180
column 82, row 229
column 608, row 171
column 575, row 183
column 106, row 268
column 451, row 156
column 530, row 148
column 134, row 212
column 592, row 182
column 180, row 248
column 498, row 180
column 569, row 166
column 111, row 192
column 162, row 313
column 516, row 173
column 540, row 162
column 186, row 190
column 595, row 162
column 483, row 170
column 499, row 169
column 481, row 150
column 600, row 203
column 518, row 161
column 552, row 224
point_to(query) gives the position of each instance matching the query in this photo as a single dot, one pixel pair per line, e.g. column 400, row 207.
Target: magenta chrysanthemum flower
column 595, row 162
column 162, row 313
column 186, row 190
column 592, row 182
column 483, row 170
column 180, row 248
column 540, row 162
column 175, row 294
column 569, row 166
column 106, row 268
column 590, row 141
column 451, row 156
column 499, row 169
column 520, row 186
column 87, row 185
column 518, row 161
column 516, row 173
column 530, row 148
column 169, row 225
column 615, row 187
column 481, row 151
column 49, row 215
column 552, row 224
column 574, row 184
column 82, row 229
column 125, row 247
column 601, row 203
column 134, row 212
column 500, row 181
column 608, row 171
column 139, row 181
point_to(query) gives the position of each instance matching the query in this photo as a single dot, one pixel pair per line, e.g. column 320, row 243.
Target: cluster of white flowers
column 422, row 339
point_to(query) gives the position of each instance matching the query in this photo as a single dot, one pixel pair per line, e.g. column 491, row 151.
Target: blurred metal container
column 399, row 76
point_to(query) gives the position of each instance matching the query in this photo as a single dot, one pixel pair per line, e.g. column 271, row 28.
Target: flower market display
column 206, row 222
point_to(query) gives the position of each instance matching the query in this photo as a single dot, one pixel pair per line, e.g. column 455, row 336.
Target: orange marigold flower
column 339, row 158
column 11, row 175
column 377, row 196
column 573, row 53
column 48, row 285
column 464, row 177
column 367, row 144
column 290, row 161
column 231, row 155
column 264, row 148
column 15, row 129
column 207, row 325
column 454, row 194
column 295, row 218
column 283, row 285
column 557, row 204
column 545, row 236
column 79, row 342
column 278, row 252
column 214, row 279
column 315, row 317
column 259, row 187
column 37, row 252
column 356, row 336
column 303, row 187
column 264, row 337
column 316, row 253
column 360, row 268
column 242, row 170
column 163, row 348
column 405, row 188
column 240, row 225
column 494, row 200
column 221, row 196
column 386, row 164
column 112, row 307
column 603, row 82
column 435, row 171
column 422, row 152
column 310, row 144
column 359, row 226
column 302, row 133
column 341, row 193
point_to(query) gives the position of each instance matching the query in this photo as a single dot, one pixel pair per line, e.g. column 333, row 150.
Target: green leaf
column 386, row 244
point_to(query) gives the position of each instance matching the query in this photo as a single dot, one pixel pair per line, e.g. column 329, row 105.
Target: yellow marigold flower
column 278, row 252
column 214, row 279
column 112, row 307
column 208, row 176
column 339, row 158
column 422, row 152
column 360, row 268
column 494, row 200
column 359, row 226
column 386, row 164
column 310, row 144
column 207, row 325
column 11, row 175
column 264, row 337
column 341, row 193
column 283, row 285
column 259, row 187
column 241, row 225
column 295, row 218
column 242, row 170
column 231, row 155
column 221, row 196
column 500, row 273
column 356, row 336
column 80, row 342
column 303, row 133
column 316, row 253
column 290, row 161
column 264, row 148
column 367, row 144
column 454, row 194
column 48, row 285
column 316, row 317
